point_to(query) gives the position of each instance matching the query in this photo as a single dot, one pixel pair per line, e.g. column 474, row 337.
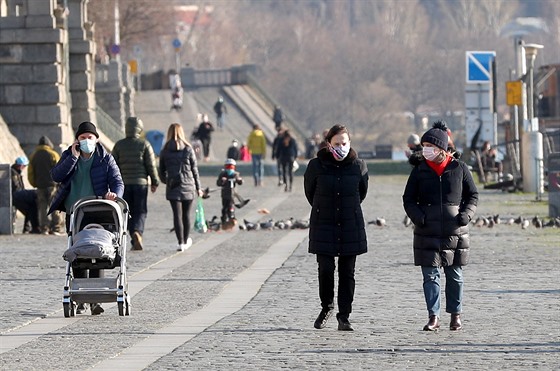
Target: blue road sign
column 176, row 43
column 479, row 67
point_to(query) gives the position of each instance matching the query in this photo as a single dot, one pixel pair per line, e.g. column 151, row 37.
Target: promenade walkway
column 247, row 299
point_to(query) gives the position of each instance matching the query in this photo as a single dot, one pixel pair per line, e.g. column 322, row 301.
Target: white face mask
column 430, row 153
column 87, row 145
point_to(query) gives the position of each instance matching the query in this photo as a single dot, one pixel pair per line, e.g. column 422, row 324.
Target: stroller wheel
column 68, row 309
column 124, row 306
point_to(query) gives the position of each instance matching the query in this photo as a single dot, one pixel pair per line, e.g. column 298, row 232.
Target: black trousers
column 346, row 282
column 181, row 219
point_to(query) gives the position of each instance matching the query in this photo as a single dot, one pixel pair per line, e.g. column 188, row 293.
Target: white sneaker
column 180, row 247
column 189, row 243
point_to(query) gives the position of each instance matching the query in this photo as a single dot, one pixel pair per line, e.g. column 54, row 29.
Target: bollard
column 6, row 222
column 554, row 185
column 532, row 170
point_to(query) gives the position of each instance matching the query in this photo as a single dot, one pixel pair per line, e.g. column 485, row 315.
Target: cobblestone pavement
column 511, row 307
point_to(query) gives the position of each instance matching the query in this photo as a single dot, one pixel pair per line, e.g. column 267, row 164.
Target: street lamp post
column 531, row 53
column 532, row 147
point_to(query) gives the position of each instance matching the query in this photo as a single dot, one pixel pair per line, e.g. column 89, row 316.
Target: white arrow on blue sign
column 479, row 66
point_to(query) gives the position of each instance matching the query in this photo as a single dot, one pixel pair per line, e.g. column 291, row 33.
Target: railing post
column 6, row 212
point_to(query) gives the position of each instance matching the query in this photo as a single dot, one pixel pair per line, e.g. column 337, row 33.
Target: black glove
column 463, row 219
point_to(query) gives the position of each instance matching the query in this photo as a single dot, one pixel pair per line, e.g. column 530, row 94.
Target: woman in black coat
column 336, row 183
column 179, row 171
column 440, row 198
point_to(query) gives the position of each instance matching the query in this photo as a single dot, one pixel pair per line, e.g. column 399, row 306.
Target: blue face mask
column 87, row 145
column 230, row 172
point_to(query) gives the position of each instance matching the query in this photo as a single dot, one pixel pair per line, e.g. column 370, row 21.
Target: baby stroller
column 97, row 240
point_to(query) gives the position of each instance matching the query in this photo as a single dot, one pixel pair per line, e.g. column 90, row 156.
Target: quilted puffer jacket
column 335, row 191
column 440, row 208
column 179, row 171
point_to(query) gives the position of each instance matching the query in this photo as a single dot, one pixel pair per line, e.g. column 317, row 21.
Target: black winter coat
column 335, row 191
column 440, row 208
column 179, row 171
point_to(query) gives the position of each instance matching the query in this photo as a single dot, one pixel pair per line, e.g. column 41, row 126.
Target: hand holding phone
column 76, row 148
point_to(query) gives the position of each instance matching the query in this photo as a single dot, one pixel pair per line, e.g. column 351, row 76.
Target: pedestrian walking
column 220, row 109
column 204, row 134
column 256, row 142
column 179, row 171
column 244, row 153
column 135, row 157
column 24, row 200
column 287, row 153
column 277, row 116
column 233, row 151
column 335, row 184
column 85, row 169
column 275, row 156
column 440, row 198
column 413, row 145
column 43, row 159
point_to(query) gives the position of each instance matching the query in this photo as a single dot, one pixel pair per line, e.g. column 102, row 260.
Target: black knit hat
column 437, row 135
column 86, row 127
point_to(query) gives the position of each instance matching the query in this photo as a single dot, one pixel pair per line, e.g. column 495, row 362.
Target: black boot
column 322, row 318
column 343, row 323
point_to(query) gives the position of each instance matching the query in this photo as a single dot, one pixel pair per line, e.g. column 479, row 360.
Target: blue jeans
column 136, row 196
column 453, row 289
column 258, row 169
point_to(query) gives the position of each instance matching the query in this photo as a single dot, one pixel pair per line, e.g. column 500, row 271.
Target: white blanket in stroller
column 93, row 242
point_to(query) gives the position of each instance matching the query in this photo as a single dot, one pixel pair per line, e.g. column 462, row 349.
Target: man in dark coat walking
column 136, row 160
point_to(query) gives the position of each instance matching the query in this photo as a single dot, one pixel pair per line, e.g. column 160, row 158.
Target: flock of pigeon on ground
column 489, row 222
column 215, row 225
column 492, row 220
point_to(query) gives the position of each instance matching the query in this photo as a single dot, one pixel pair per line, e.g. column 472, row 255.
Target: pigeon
column 537, row 222
column 243, row 203
column 212, row 224
column 280, row 224
column 206, row 193
column 518, row 220
column 407, row 221
column 268, row 225
column 250, row 226
column 300, row 224
column 525, row 224
column 289, row 222
column 510, row 221
column 479, row 222
column 491, row 223
column 380, row 222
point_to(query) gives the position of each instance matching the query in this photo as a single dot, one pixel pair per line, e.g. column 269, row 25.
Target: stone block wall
column 33, row 88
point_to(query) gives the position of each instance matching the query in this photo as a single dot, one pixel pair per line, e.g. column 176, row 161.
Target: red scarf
column 439, row 168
